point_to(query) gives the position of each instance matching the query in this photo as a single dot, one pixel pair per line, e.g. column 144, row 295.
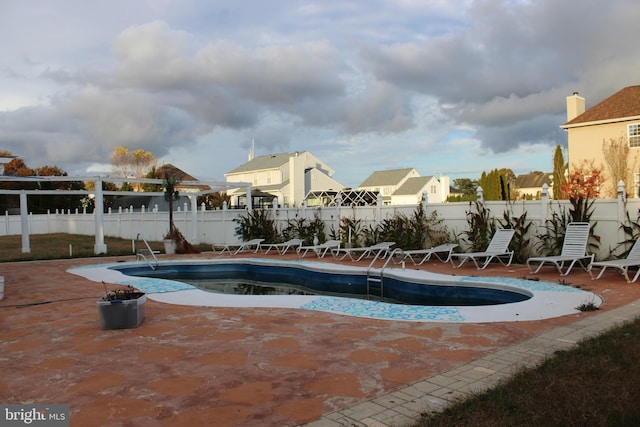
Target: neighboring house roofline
column 600, row 122
column 386, row 177
column 533, row 179
column 274, row 161
column 412, row 186
column 621, row 106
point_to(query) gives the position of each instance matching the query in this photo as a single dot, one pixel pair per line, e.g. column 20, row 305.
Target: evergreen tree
column 559, row 177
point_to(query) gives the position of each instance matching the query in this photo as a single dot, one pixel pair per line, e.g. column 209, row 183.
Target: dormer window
column 634, row 135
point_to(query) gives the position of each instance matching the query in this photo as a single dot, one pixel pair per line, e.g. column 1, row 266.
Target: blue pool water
column 260, row 279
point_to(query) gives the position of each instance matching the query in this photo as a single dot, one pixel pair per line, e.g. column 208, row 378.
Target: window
column 634, row 135
column 433, row 189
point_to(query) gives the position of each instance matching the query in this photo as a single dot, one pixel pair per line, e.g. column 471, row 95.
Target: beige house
column 529, row 185
column 287, row 176
column 617, row 118
column 406, row 187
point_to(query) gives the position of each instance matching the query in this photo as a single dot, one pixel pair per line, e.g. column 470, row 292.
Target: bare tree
column 617, row 155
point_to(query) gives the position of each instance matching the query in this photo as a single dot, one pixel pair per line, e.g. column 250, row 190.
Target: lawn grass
column 595, row 384
column 56, row 246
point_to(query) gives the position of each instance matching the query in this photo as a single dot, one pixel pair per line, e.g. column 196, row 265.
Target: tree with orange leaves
column 584, row 181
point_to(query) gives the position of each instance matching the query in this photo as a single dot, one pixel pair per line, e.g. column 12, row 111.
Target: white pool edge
column 548, row 299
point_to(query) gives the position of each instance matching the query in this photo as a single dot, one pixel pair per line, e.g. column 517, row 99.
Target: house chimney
column 575, row 106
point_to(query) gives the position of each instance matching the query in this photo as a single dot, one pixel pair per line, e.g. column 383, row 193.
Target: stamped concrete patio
column 260, row 367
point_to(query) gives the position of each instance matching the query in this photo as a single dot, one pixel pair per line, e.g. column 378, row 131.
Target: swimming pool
column 544, row 299
column 250, row 278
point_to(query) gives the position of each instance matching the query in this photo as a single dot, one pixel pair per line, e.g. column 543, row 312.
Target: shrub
column 258, row 224
column 521, row 240
column 482, row 227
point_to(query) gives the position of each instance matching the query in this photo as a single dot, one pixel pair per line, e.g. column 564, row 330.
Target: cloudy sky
column 454, row 87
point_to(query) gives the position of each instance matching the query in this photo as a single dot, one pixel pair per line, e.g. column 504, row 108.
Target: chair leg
column 485, row 263
column 463, row 259
column 537, row 269
column 599, row 274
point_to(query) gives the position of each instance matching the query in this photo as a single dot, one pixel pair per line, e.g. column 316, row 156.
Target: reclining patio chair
column 498, row 249
column 320, row 250
column 423, row 255
column 632, row 260
column 282, row 248
column 242, row 247
column 574, row 250
column 356, row 254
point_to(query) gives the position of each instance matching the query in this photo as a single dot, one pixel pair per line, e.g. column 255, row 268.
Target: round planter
column 169, row 247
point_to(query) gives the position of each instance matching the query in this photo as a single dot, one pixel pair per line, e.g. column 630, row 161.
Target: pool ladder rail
column 145, row 252
column 375, row 278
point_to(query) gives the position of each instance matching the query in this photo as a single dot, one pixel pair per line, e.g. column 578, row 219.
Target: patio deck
column 261, row 366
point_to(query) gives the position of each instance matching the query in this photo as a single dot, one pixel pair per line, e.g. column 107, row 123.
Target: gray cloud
column 324, row 76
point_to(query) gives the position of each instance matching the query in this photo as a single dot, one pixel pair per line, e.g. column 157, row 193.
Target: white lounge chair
column 282, row 248
column 420, row 256
column 356, row 254
column 574, row 250
column 242, row 247
column 320, row 250
column 498, row 249
column 632, row 260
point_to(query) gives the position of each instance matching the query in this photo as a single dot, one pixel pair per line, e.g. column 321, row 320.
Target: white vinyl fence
column 217, row 226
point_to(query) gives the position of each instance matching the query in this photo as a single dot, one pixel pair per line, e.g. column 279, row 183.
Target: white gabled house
column 406, row 186
column 287, row 176
column 414, row 190
column 387, row 182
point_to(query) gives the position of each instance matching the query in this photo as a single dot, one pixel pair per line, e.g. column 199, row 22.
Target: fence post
column 195, row 239
column 24, row 221
column 338, row 205
column 99, row 246
column 544, row 205
column 225, row 206
column 622, row 208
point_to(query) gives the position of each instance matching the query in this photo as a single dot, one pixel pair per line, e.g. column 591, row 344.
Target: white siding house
column 387, row 182
column 287, row 176
column 415, row 189
column 406, row 186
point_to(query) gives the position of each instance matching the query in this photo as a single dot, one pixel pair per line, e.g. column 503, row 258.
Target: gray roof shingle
column 412, row 186
column 390, row 177
column 270, row 161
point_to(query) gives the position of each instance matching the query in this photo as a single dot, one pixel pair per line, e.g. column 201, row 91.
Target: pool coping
column 548, row 299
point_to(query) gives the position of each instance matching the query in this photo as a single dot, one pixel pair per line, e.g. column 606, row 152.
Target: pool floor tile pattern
column 262, row 367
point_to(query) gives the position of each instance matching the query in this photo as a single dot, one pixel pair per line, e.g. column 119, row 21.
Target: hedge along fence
column 218, row 226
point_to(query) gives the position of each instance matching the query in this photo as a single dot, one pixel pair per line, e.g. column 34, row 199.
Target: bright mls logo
column 35, row 415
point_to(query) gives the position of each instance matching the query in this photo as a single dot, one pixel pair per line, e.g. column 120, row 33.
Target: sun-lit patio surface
column 190, row 365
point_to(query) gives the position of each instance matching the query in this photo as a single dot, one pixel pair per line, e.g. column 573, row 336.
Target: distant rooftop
column 389, row 177
column 270, row 161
